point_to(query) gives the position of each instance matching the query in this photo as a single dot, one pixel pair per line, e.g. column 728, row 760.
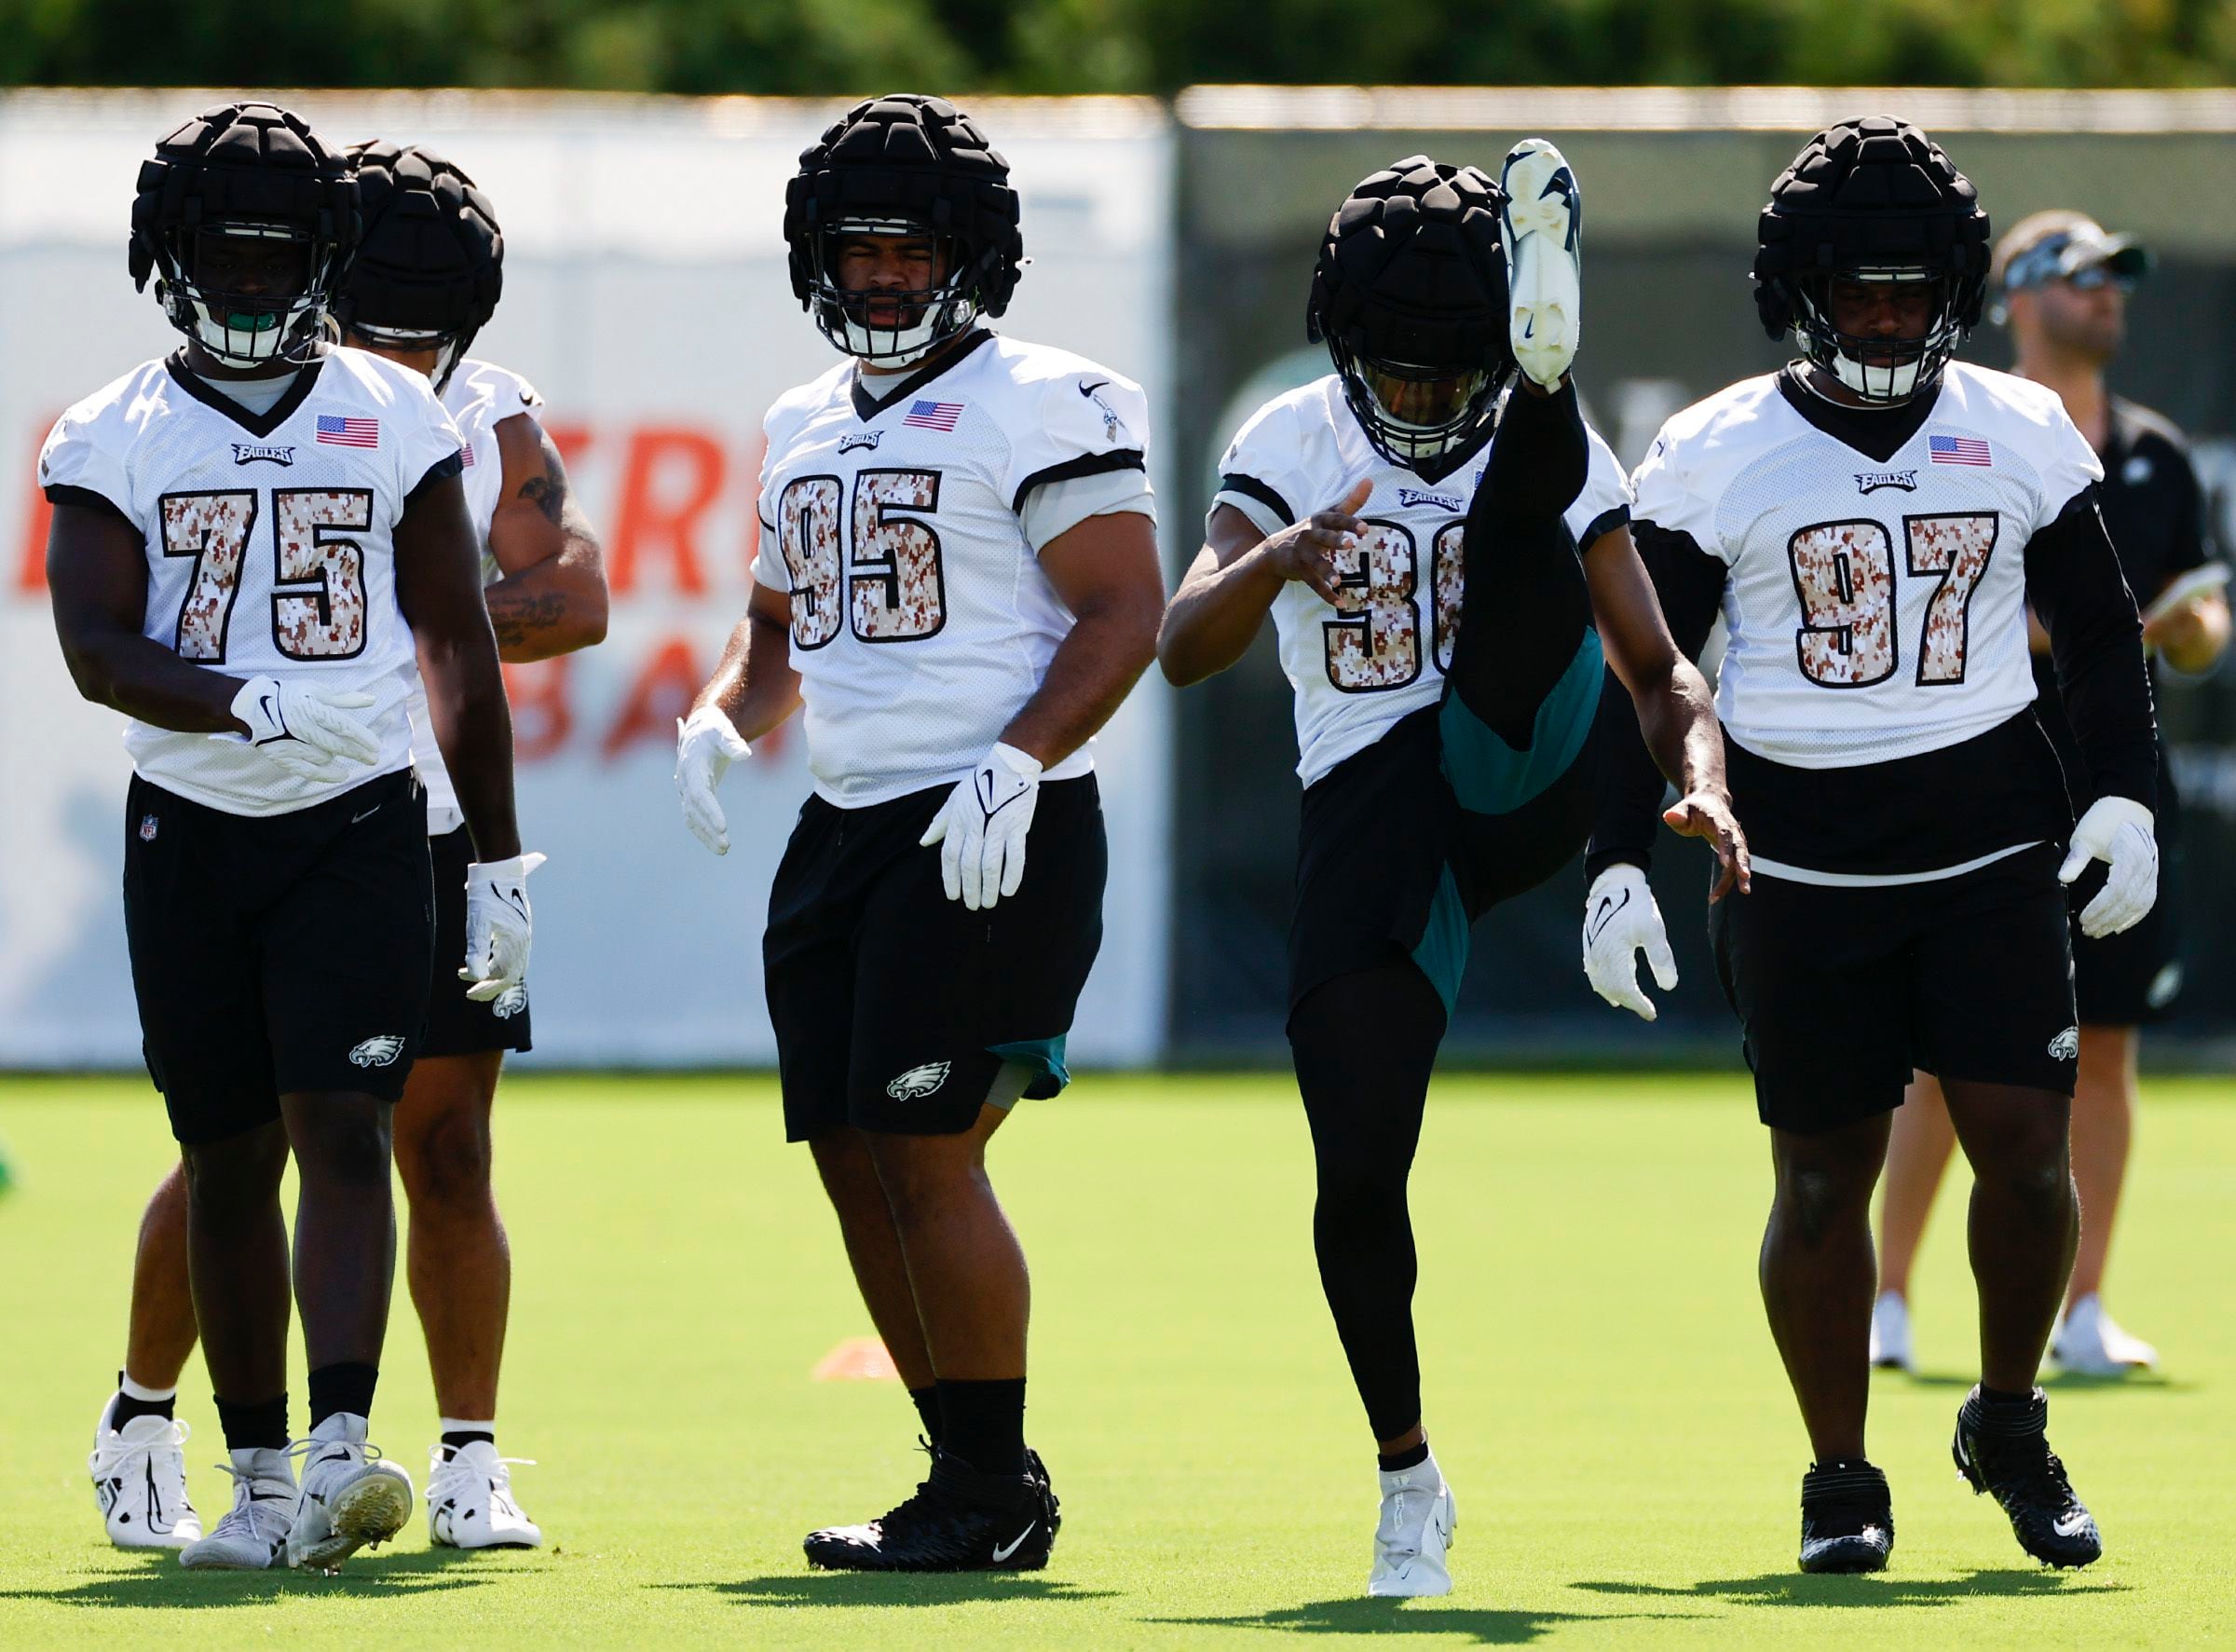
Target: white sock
column 145, row 1394
column 464, row 1426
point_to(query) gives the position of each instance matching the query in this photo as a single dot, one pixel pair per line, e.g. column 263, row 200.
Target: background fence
column 646, row 295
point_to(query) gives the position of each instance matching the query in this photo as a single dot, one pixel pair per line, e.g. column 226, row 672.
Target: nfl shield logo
column 147, row 829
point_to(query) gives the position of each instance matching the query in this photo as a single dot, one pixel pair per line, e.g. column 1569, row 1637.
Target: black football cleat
column 958, row 1521
column 1846, row 1518
column 2005, row 1451
column 1039, row 1471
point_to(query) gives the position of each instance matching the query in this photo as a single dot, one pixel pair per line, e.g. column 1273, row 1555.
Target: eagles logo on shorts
column 918, row 1081
column 380, row 1050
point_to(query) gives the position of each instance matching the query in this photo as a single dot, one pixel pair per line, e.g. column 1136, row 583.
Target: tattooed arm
column 552, row 599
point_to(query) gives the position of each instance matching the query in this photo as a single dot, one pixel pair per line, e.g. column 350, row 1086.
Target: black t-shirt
column 2155, row 514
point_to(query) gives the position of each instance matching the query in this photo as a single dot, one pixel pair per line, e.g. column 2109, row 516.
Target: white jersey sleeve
column 1603, row 503
column 82, row 460
column 1084, row 449
column 1276, row 468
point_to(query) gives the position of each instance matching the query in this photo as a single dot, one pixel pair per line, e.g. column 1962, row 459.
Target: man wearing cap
column 2062, row 285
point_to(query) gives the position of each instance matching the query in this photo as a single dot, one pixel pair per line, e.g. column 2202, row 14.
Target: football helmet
column 430, row 265
column 902, row 165
column 245, row 173
column 1410, row 296
column 1872, row 200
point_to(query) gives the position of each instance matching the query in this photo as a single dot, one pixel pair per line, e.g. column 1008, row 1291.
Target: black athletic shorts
column 278, row 953
column 456, row 1025
column 1404, row 844
column 1843, row 992
column 894, row 1007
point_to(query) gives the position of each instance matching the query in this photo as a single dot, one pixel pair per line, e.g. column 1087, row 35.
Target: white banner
column 647, row 298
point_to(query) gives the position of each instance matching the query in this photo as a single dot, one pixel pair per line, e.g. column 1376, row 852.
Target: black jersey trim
column 443, row 470
column 1251, row 488
column 1605, row 523
column 256, row 424
column 1087, row 464
column 89, row 499
column 1877, row 432
column 868, row 406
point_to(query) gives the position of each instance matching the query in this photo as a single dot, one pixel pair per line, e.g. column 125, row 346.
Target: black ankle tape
column 2007, row 1416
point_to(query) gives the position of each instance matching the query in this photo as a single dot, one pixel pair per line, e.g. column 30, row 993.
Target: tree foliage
column 1092, row 46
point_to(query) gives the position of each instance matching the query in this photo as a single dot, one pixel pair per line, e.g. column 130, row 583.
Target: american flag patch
column 466, row 457
column 933, row 416
column 1958, row 450
column 348, row 432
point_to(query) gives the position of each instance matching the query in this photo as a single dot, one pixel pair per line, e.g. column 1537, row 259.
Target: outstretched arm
column 552, row 599
column 1675, row 711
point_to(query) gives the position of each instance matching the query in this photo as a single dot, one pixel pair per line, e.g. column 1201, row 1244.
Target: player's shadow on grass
column 1798, row 1588
column 2059, row 1381
column 890, row 1589
column 1488, row 1626
column 161, row 1582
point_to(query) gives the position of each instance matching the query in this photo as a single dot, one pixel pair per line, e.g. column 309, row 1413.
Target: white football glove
column 498, row 929
column 1619, row 917
column 2118, row 831
column 980, row 829
column 311, row 732
column 706, row 745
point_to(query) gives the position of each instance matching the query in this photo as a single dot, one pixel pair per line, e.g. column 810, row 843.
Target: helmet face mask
column 251, row 294
column 1889, row 367
column 878, row 322
column 1414, row 414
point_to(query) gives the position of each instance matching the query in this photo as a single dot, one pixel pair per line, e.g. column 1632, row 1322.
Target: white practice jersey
column 480, row 397
column 1361, row 666
column 1876, row 610
column 905, row 518
column 269, row 546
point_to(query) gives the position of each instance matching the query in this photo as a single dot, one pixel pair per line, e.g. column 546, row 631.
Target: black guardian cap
column 904, row 165
column 245, row 172
column 1872, row 200
column 429, row 269
column 1410, row 296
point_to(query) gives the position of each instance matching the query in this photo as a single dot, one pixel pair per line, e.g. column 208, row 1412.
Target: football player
column 425, row 280
column 1872, row 521
column 252, row 539
column 1443, row 577
column 958, row 578
column 2063, row 284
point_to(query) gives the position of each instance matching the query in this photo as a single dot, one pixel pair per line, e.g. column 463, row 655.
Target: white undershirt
column 258, row 395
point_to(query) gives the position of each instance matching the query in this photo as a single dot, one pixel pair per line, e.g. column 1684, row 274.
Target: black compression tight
column 1365, row 1044
column 1525, row 605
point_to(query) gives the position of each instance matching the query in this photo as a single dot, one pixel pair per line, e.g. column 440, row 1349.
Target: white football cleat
column 1890, row 1333
column 1416, row 1528
column 140, row 1477
column 469, row 1500
column 2091, row 1342
column 351, row 1495
column 252, row 1535
column 1541, row 226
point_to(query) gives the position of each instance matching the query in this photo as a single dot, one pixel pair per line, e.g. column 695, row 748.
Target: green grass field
column 1601, row 1389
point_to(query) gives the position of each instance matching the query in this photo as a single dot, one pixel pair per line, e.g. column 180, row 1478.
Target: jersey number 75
column 323, row 616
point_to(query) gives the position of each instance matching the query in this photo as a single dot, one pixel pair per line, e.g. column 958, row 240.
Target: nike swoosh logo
column 1088, row 389
column 514, row 901
column 2066, row 1526
column 1609, row 906
column 368, row 814
column 1002, row 1552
